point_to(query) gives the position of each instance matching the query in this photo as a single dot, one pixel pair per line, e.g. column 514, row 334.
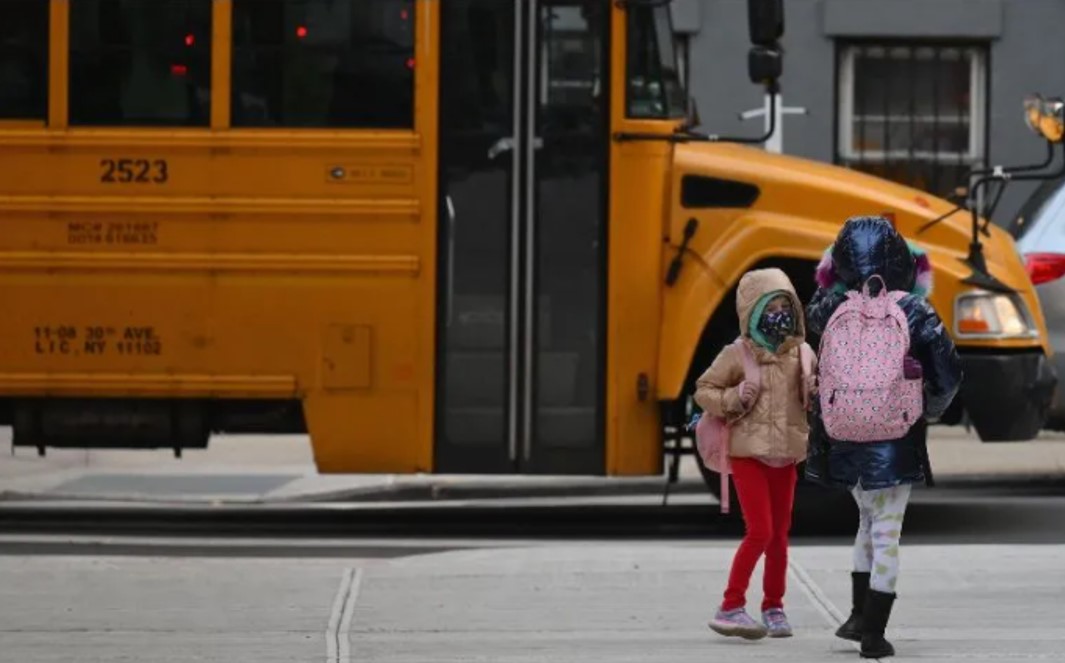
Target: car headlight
column 982, row 314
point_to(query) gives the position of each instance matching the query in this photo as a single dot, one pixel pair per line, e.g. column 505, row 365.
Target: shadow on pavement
column 1002, row 510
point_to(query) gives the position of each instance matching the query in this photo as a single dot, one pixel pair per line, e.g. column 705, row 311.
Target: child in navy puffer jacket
column 880, row 474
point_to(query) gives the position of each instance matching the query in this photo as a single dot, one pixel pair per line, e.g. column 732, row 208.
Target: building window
column 137, row 63
column 23, row 59
column 915, row 114
column 323, row 63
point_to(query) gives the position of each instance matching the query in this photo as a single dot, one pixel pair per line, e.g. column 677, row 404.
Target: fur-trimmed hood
column 868, row 246
column 758, row 283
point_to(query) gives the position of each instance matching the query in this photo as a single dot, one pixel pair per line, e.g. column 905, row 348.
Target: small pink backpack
column 865, row 396
column 712, row 433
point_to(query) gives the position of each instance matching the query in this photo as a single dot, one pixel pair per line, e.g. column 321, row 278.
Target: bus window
column 136, row 63
column 654, row 89
column 23, row 59
column 323, row 63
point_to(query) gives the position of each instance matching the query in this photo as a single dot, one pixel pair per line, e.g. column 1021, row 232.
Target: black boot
column 874, row 622
column 852, row 628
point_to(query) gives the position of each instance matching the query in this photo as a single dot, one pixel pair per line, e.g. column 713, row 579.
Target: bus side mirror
column 765, row 21
column 1045, row 117
column 764, row 65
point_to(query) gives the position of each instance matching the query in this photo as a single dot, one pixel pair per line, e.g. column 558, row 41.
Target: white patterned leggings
column 876, row 548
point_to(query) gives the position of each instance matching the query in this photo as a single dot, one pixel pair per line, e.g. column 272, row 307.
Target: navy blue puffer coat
column 867, row 246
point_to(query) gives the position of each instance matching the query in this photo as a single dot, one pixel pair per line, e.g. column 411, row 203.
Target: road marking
column 832, row 615
column 339, row 601
column 344, row 635
column 337, row 634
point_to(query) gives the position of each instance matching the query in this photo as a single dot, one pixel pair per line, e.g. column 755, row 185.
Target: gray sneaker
column 776, row 622
column 737, row 623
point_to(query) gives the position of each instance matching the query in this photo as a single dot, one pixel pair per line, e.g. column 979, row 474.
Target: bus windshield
column 654, row 90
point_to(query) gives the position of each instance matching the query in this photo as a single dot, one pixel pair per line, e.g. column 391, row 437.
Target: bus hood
column 823, row 193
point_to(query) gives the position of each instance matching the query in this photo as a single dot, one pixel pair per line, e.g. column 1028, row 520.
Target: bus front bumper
column 1007, row 396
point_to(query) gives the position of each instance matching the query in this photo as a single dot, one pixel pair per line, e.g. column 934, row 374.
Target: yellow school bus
column 470, row 236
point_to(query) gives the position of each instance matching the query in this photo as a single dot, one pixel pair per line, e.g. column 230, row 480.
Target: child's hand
column 748, row 393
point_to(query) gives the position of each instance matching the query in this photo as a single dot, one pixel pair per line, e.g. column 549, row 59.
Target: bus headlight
column 981, row 314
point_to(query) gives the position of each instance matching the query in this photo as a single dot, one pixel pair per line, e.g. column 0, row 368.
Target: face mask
column 777, row 326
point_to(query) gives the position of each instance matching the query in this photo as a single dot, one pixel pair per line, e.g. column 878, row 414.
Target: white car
column 1039, row 231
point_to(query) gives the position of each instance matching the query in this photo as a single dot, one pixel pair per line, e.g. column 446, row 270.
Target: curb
column 415, row 490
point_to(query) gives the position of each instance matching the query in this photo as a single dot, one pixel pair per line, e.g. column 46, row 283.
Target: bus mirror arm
column 1044, row 117
column 771, row 88
column 685, row 135
column 976, row 261
column 991, row 209
column 1018, row 174
column 1004, row 175
column 677, row 263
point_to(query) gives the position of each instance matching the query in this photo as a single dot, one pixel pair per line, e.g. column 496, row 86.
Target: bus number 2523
column 136, row 171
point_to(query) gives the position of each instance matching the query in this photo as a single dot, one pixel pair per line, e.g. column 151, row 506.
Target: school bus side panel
column 239, row 263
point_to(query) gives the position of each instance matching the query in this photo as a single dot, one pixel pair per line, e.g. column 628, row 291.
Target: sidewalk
column 589, row 603
column 259, row 468
column 651, row 603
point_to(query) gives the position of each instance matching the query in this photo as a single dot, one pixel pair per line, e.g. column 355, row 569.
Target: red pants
column 767, row 495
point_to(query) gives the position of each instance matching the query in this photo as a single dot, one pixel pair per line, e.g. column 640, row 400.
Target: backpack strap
column 896, row 298
column 751, row 371
column 723, row 460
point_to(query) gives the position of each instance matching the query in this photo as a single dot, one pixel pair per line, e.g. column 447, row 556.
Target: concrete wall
column 1027, row 54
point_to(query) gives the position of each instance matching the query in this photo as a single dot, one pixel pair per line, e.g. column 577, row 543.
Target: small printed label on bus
column 112, row 233
column 75, row 341
column 364, row 173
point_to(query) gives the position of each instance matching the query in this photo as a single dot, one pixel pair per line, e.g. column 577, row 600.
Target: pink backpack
column 712, row 433
column 865, row 396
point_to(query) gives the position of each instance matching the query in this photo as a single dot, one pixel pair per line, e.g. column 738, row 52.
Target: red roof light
column 301, row 31
column 190, row 39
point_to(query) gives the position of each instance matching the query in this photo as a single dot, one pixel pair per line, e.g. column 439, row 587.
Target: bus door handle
column 506, row 144
column 450, row 258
